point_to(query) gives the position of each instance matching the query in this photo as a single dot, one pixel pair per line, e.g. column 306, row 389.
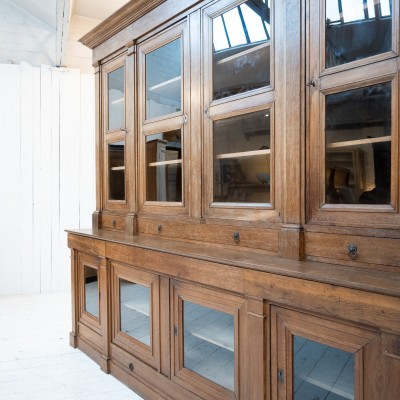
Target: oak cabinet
column 245, row 242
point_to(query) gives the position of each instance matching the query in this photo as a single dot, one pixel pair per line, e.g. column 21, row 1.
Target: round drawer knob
column 352, row 250
column 131, row 367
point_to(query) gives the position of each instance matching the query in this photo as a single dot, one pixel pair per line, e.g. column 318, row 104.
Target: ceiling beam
column 64, row 15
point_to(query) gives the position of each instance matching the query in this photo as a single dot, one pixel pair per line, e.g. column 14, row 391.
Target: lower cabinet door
column 90, row 281
column 207, row 343
column 316, row 358
column 135, row 311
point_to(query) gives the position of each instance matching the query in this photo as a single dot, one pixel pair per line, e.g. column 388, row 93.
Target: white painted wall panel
column 47, row 173
column 10, row 173
column 24, row 37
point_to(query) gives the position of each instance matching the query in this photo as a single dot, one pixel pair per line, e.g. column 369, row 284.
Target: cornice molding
column 122, row 18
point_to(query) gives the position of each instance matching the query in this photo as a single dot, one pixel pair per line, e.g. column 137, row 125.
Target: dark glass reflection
column 242, row 158
column 321, row 372
column 116, row 174
column 116, row 99
column 164, row 166
column 241, row 42
column 358, row 146
column 209, row 344
column 164, row 80
column 135, row 310
column 356, row 29
column 91, row 291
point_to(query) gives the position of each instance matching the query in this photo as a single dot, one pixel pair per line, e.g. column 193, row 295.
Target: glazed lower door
column 207, row 341
column 135, row 309
column 318, row 359
column 89, row 281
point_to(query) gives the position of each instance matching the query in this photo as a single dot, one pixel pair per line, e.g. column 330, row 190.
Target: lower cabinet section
column 171, row 337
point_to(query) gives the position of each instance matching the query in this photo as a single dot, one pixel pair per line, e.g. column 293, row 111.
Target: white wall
column 24, row 37
column 78, row 55
column 47, row 173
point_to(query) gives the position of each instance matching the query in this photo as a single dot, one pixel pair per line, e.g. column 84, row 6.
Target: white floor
column 36, row 361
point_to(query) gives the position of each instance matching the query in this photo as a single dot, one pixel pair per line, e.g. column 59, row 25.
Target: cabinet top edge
column 380, row 282
column 126, row 15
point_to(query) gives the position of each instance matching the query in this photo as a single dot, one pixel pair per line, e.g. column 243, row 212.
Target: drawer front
column 116, row 222
column 353, row 249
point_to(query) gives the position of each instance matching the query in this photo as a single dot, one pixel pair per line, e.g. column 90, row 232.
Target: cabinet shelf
column 167, row 162
column 121, row 168
column 242, row 53
column 358, row 142
column 243, row 154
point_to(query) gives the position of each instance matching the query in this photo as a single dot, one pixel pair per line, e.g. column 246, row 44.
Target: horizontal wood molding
column 195, row 261
column 125, row 16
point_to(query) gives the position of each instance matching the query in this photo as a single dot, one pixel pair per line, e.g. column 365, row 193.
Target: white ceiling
column 96, row 9
column 46, row 10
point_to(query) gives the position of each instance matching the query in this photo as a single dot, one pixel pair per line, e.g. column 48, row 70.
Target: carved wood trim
column 125, row 16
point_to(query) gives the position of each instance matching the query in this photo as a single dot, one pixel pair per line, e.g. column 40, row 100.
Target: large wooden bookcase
column 246, row 238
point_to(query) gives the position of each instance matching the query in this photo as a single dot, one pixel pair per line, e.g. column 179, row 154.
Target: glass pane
column 164, row 166
column 209, row 344
column 164, row 80
column 116, row 173
column 321, row 372
column 358, row 146
column 242, row 158
column 354, row 31
column 241, row 57
column 91, row 291
column 116, row 99
column 135, row 310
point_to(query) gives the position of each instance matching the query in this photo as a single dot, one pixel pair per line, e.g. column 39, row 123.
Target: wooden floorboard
column 36, row 361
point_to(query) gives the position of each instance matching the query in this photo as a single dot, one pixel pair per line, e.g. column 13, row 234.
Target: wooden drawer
column 336, row 248
column 110, row 221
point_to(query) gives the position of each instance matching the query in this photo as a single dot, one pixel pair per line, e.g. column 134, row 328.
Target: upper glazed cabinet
column 163, row 122
column 239, row 104
column 353, row 81
column 114, row 136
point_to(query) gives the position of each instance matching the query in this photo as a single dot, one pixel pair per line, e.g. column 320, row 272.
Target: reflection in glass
column 356, row 29
column 91, row 291
column 358, row 146
column 241, row 58
column 116, row 99
column 164, row 80
column 135, row 310
column 209, row 343
column 116, row 174
column 242, row 158
column 164, row 166
column 321, row 372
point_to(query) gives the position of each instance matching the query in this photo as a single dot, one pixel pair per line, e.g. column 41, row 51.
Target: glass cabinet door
column 135, row 302
column 206, row 347
column 164, row 132
column 353, row 92
column 239, row 99
column 316, row 358
column 116, row 140
column 89, row 286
